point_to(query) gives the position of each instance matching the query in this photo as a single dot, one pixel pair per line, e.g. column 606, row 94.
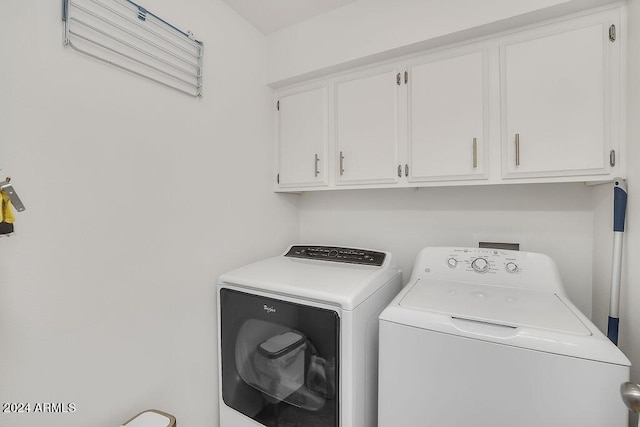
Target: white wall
column 630, row 300
column 629, row 333
column 137, row 198
column 552, row 219
column 369, row 30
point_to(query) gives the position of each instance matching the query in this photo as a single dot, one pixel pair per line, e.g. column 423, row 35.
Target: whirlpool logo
column 268, row 309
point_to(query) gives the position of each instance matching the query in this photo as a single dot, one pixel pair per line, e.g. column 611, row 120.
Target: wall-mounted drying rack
column 127, row 36
column 7, row 188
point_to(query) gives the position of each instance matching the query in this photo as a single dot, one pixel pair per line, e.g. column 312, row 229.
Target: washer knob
column 511, row 267
column 480, row 265
column 452, row 262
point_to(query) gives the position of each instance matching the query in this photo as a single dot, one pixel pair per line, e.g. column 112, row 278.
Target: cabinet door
column 448, row 118
column 367, row 129
column 555, row 102
column 302, row 136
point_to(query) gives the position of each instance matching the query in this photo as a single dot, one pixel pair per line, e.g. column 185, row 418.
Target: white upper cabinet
column 448, row 117
column 303, row 138
column 366, row 128
column 557, row 93
column 532, row 105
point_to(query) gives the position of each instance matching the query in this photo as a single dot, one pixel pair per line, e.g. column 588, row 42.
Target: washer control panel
column 486, row 266
column 338, row 254
column 483, row 261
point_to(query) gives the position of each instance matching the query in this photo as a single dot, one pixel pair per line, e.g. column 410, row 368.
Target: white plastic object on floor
column 151, row 418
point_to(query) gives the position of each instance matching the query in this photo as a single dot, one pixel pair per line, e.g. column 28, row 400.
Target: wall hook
column 6, row 187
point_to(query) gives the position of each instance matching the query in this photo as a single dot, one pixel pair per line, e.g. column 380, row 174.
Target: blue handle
column 619, row 206
column 612, row 329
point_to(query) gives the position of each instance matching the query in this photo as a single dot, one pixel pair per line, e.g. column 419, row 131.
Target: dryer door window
column 279, row 360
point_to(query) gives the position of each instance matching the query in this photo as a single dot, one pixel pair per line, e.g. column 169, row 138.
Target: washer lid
column 505, row 306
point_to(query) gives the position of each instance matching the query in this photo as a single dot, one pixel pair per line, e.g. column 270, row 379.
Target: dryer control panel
column 338, row 254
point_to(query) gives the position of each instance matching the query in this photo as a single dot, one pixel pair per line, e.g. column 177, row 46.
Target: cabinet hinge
column 278, row 105
column 612, row 158
column 612, row 33
column 278, row 179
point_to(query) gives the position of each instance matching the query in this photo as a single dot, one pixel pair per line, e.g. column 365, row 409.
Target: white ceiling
column 272, row 15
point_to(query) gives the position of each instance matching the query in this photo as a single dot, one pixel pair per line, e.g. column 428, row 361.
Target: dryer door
column 279, row 360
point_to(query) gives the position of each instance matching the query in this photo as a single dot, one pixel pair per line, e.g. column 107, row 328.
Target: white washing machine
column 298, row 337
column 488, row 338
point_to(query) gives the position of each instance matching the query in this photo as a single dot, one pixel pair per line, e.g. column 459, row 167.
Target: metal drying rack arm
column 6, row 187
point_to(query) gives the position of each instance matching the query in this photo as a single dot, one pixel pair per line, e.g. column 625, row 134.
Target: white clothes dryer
column 488, row 338
column 298, row 337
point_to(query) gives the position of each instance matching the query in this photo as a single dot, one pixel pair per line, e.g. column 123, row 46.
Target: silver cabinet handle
column 399, row 171
column 406, row 169
column 317, row 159
column 475, row 153
column 341, row 163
column 517, row 149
